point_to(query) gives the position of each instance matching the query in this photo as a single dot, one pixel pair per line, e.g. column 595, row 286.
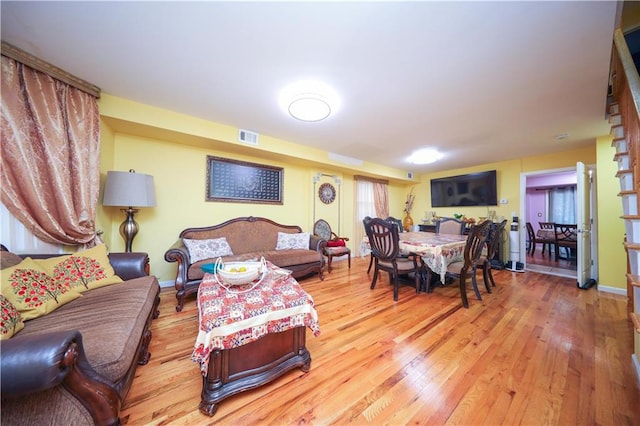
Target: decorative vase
column 407, row 222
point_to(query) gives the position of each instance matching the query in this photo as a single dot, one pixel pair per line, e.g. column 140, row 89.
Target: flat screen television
column 475, row 189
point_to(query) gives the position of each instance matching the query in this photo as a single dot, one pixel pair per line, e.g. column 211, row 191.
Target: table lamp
column 129, row 189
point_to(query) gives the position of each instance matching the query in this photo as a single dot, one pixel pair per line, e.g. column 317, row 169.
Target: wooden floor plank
column 535, row 351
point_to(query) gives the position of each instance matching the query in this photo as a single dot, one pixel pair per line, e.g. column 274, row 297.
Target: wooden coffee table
column 249, row 338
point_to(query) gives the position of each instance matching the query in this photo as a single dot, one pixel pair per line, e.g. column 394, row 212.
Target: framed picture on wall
column 243, row 182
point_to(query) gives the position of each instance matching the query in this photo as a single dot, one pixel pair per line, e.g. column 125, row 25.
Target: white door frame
column 522, row 227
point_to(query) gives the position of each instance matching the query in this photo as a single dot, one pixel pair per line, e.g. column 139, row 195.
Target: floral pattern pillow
column 32, row 291
column 207, row 249
column 299, row 240
column 11, row 321
column 83, row 270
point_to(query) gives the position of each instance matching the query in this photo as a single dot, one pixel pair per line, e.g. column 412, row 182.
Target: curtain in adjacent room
column 50, row 155
column 562, row 205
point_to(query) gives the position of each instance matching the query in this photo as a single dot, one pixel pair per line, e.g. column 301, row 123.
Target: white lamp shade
column 129, row 189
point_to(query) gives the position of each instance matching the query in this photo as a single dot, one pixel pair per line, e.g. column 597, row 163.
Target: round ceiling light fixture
column 425, row 156
column 309, row 107
column 309, row 100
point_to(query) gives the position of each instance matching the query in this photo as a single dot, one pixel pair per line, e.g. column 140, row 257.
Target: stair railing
column 626, row 90
column 625, row 84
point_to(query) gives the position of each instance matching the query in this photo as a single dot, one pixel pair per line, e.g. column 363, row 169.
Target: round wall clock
column 327, row 193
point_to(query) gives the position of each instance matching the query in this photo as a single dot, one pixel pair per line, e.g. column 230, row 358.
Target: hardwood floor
column 550, row 260
column 546, row 263
column 537, row 351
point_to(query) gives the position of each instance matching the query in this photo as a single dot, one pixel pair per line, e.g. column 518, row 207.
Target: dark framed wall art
column 243, row 182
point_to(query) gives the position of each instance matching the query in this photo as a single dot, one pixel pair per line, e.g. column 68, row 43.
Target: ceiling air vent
column 248, row 137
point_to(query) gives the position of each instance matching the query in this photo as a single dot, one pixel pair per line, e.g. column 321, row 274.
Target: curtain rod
column 549, row 188
column 370, row 179
column 38, row 64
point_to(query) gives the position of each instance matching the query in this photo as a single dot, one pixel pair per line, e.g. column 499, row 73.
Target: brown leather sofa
column 249, row 238
column 75, row 365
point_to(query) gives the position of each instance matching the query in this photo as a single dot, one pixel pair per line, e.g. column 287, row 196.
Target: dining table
column 437, row 250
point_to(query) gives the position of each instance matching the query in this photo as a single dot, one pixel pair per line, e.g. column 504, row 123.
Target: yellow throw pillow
column 34, row 293
column 82, row 271
column 11, row 321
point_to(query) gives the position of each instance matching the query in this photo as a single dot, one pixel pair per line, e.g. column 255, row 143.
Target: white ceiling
column 478, row 81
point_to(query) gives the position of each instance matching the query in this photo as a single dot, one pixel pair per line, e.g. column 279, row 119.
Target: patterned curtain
column 381, row 199
column 372, row 201
column 50, row 163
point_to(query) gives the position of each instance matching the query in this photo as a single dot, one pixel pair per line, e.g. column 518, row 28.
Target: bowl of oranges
column 240, row 273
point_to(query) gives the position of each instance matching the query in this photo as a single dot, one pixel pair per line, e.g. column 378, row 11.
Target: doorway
column 549, row 197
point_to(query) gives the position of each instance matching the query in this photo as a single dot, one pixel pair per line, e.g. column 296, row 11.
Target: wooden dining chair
column 385, row 248
column 364, row 222
column 546, row 237
column 449, row 225
column 567, row 238
column 336, row 246
column 531, row 238
column 472, row 253
column 397, row 222
column 495, row 236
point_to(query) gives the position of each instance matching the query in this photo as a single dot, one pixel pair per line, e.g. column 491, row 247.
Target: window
column 19, row 239
column 562, row 205
column 365, row 206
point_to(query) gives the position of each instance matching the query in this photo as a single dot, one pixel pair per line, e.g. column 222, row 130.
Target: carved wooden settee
column 248, row 238
column 75, row 365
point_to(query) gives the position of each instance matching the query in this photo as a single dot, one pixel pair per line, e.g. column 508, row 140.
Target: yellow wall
column 173, row 148
column 612, row 259
column 508, row 180
column 179, row 173
column 107, row 150
column 177, row 161
column 508, row 176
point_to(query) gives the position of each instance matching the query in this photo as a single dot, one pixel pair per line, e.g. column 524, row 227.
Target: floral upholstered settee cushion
column 83, row 270
column 11, row 321
column 337, row 251
column 297, row 241
column 207, row 249
column 36, row 287
column 32, row 291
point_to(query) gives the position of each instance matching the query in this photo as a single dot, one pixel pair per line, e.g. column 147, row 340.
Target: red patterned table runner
column 229, row 319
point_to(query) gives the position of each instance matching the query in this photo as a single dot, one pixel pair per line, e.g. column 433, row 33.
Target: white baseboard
column 167, row 284
column 614, row 290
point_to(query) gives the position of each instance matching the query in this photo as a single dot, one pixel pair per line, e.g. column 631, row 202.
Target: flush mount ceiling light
column 309, row 107
column 425, row 156
column 309, row 100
